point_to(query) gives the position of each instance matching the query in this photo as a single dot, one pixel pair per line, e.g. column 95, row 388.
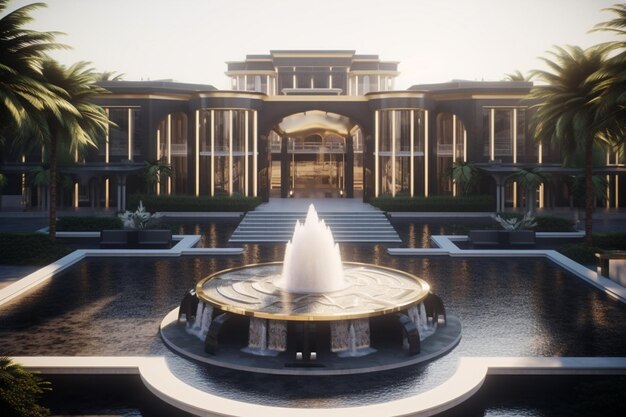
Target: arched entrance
column 316, row 154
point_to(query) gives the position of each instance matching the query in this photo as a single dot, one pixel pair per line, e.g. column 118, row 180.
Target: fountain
column 303, row 273
column 311, row 314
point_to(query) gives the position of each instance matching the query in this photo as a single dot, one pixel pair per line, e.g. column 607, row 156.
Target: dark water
column 508, row 307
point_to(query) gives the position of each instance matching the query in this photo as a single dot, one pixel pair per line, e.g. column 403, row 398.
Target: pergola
column 85, row 172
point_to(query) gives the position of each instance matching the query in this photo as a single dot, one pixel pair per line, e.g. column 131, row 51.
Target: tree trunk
column 52, row 226
column 589, row 191
column 530, row 200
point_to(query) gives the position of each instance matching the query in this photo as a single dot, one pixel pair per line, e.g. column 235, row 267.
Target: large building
column 314, row 123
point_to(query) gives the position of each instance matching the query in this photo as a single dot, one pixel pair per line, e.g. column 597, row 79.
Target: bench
column 113, row 239
column 154, row 239
column 484, row 238
column 612, row 264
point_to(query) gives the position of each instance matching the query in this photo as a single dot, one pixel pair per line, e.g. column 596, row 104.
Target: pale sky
column 433, row 40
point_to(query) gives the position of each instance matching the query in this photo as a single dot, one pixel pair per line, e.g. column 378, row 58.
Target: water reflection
column 508, row 307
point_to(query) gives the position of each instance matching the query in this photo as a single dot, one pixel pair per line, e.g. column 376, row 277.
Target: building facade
column 314, row 123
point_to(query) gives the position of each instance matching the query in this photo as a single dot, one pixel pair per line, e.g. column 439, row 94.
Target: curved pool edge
column 467, row 379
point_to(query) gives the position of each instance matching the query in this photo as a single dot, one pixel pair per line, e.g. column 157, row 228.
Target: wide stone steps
column 370, row 227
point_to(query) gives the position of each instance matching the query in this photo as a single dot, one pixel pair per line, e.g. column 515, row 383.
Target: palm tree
column 154, row 171
column 611, row 88
column 3, row 183
column 518, row 76
column 22, row 92
column 109, row 76
column 529, row 179
column 20, row 391
column 39, row 177
column 567, row 115
column 77, row 126
column 465, row 174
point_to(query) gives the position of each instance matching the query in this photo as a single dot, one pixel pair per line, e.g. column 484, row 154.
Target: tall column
column 264, row 167
column 121, row 192
column 349, row 167
column 284, row 167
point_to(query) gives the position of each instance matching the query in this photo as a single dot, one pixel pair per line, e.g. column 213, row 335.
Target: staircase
column 367, row 226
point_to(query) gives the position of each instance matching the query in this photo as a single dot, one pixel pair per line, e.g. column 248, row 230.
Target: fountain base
column 240, row 318
column 386, row 357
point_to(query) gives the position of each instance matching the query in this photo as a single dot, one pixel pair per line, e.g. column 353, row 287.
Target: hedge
column 165, row 203
column 610, row 241
column 29, row 249
column 435, row 203
column 88, row 223
column 553, row 224
column 584, row 254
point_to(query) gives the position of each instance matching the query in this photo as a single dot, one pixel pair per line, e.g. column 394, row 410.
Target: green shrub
column 165, row 203
column 553, row 224
column 435, row 203
column 20, row 391
column 29, row 249
column 584, row 254
column 581, row 253
column 610, row 241
column 88, row 224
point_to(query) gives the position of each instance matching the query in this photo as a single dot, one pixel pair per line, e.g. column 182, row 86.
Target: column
column 121, row 192
column 349, row 167
column 376, row 159
column 284, row 167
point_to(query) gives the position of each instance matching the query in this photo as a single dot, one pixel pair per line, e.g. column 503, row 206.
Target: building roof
column 458, row 86
column 157, row 86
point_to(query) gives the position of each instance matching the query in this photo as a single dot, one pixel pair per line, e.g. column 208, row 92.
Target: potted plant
column 517, row 230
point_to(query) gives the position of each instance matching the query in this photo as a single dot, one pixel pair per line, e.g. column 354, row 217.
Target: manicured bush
column 88, row 223
column 29, row 249
column 435, row 203
column 581, row 253
column 584, row 254
column 173, row 203
column 610, row 241
column 553, row 224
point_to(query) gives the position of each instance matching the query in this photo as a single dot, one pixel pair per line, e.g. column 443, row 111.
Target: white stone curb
column 445, row 246
column 183, row 247
column 468, row 379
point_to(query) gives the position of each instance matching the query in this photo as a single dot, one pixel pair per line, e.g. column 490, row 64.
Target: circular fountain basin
column 376, row 294
column 253, row 290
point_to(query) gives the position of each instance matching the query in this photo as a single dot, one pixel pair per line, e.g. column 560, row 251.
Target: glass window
column 384, row 135
column 118, row 135
column 503, row 132
column 364, row 84
column 320, row 80
column 303, row 81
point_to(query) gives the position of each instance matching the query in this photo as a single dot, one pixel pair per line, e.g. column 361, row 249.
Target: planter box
column 502, row 238
column 613, row 266
column 135, row 239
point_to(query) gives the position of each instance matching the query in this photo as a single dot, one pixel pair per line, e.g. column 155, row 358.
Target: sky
column 433, row 40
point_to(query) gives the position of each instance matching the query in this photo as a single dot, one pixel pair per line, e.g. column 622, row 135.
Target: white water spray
column 312, row 259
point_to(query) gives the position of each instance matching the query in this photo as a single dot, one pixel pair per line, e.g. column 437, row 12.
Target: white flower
column 138, row 219
column 526, row 222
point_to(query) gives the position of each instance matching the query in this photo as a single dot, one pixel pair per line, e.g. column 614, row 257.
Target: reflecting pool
column 508, row 307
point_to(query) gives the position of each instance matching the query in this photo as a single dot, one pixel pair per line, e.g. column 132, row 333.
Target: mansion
column 313, row 124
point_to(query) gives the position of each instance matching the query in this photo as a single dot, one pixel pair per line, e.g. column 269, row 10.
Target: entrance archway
column 316, row 154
